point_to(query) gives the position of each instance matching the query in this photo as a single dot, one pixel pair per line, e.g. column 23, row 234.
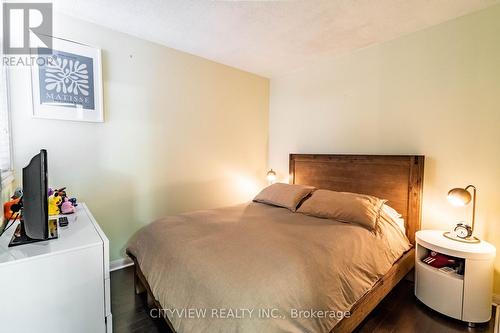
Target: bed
column 255, row 256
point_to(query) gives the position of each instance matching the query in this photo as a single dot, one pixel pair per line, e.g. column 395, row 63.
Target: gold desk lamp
column 462, row 231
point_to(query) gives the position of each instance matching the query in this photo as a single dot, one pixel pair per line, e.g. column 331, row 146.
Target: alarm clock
column 463, row 231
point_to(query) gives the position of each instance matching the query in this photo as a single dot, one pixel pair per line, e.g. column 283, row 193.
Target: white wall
column 434, row 92
column 181, row 133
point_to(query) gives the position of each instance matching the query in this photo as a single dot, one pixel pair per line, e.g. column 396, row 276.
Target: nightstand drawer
column 441, row 291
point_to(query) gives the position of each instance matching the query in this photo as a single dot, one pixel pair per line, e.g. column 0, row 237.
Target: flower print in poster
column 67, row 85
column 67, row 80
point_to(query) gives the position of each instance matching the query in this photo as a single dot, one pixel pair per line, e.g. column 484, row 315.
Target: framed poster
column 67, row 85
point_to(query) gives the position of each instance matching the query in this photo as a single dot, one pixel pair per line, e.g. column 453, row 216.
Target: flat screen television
column 35, row 202
column 34, row 224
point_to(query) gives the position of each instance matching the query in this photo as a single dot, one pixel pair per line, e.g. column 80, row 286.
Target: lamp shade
column 271, row 176
column 459, row 196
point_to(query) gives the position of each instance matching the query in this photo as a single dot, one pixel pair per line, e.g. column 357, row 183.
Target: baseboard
column 120, row 263
column 496, row 299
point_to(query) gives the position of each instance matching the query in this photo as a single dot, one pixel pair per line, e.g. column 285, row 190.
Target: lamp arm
column 474, row 190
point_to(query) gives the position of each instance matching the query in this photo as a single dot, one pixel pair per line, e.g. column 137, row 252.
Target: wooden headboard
column 397, row 178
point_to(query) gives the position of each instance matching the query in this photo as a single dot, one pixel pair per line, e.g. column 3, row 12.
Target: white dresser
column 467, row 296
column 61, row 285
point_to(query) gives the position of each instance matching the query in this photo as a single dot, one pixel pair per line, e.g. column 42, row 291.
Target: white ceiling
column 269, row 38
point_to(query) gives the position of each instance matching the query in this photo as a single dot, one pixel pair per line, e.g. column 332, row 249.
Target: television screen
column 35, row 204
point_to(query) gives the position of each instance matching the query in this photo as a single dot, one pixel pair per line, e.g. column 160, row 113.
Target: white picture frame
column 67, row 85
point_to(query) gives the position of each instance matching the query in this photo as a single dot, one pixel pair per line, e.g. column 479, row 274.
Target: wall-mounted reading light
column 271, row 176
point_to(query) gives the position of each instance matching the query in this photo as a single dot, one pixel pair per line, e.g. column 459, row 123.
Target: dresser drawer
column 441, row 291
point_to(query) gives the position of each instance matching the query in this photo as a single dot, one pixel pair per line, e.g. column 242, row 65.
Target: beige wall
column 434, row 92
column 181, row 133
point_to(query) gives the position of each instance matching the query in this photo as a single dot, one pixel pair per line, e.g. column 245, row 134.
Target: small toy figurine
column 59, row 203
column 17, row 193
column 54, row 202
column 73, row 202
column 60, row 192
column 8, row 211
column 67, row 206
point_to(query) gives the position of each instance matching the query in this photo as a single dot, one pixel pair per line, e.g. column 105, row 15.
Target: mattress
column 260, row 268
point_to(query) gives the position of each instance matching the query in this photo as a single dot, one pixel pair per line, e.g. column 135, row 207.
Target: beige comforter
column 259, row 268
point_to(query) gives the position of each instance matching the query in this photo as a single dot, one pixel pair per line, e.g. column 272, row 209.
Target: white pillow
column 395, row 216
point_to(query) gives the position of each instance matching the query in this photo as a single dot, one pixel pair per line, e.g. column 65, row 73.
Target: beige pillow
column 344, row 207
column 284, row 195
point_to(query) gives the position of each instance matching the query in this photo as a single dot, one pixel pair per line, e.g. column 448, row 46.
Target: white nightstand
column 465, row 297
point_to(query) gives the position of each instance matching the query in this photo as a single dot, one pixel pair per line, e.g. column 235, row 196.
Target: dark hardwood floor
column 398, row 312
column 130, row 312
